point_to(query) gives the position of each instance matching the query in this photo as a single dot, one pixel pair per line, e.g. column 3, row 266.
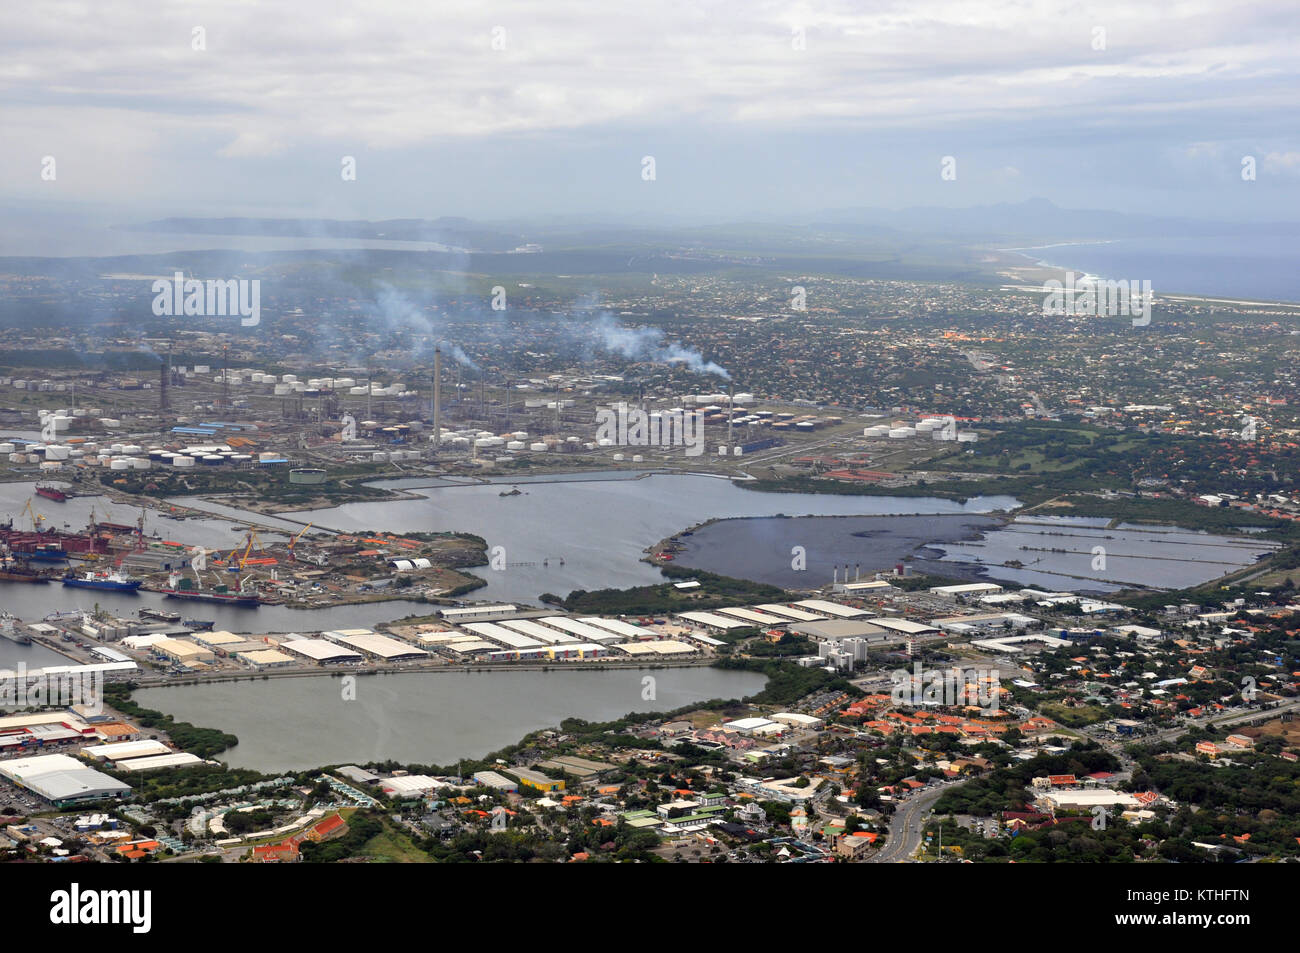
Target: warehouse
column 619, row 627
column 789, row 612
column 581, row 650
column 541, row 653
column 834, row 630
column 265, row 658
column 968, row 589
column 714, row 623
column 61, row 780
column 470, row 646
column 754, row 617
column 176, row 759
column 500, row 635
column 861, row 588
column 410, row 786
column 663, row 647
column 122, row 750
column 1015, row 644
column 797, row 720
column 535, row 781
column 478, row 613
column 537, row 631
column 380, row 646
column 588, row 633
column 218, row 640
column 321, row 650
column 139, row 642
column 1087, row 800
column 905, row 626
column 755, row 726
column 490, row 779
column 183, row 652
column 832, row 608
column 959, row 624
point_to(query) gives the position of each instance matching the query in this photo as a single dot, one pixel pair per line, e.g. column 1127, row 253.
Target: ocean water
column 1262, row 268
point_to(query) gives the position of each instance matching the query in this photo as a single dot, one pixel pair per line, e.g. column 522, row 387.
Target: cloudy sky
column 750, row 109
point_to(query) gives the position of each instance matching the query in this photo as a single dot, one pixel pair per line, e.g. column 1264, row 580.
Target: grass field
column 392, row 846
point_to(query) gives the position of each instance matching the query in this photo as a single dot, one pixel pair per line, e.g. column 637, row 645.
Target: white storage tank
column 121, row 463
column 537, row 447
column 618, row 458
column 140, row 463
column 516, row 445
column 182, row 462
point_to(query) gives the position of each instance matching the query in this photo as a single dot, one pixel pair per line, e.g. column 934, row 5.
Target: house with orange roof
column 287, row 852
column 326, row 828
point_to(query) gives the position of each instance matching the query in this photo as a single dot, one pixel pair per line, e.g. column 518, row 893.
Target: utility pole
column 437, row 397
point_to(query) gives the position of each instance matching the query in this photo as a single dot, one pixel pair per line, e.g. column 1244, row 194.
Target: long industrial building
column 62, row 780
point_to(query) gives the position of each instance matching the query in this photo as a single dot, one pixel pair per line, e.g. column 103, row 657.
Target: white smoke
column 648, row 344
column 399, row 313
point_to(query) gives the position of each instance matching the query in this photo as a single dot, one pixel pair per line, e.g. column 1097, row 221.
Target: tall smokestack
column 163, row 374
column 437, row 397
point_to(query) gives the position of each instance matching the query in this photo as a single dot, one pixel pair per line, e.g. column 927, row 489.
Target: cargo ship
column 159, row 615
column 52, row 493
column 46, row 553
column 112, row 581
column 13, row 630
column 241, row 599
column 13, row 572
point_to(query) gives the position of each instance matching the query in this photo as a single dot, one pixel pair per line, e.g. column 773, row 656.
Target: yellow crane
column 36, row 517
column 294, row 542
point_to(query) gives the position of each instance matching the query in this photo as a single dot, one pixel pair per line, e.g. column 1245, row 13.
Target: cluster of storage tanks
column 397, row 456
column 937, row 428
column 125, row 456
column 485, row 441
column 286, row 385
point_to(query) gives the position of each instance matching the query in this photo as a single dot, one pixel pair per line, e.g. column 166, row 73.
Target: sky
column 751, row 110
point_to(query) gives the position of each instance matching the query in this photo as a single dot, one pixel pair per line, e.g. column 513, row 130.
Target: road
column 905, row 829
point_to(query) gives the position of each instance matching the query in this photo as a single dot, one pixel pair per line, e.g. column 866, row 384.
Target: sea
column 1263, row 268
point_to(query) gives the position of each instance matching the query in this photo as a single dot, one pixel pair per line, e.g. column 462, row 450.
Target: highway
column 905, row 829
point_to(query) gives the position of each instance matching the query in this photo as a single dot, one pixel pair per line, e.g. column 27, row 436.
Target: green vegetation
column 714, row 592
column 204, row 742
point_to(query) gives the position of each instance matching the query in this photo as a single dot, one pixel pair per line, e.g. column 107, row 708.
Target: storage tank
column 537, row 447
column 121, row 463
column 140, row 463
column 182, row 462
